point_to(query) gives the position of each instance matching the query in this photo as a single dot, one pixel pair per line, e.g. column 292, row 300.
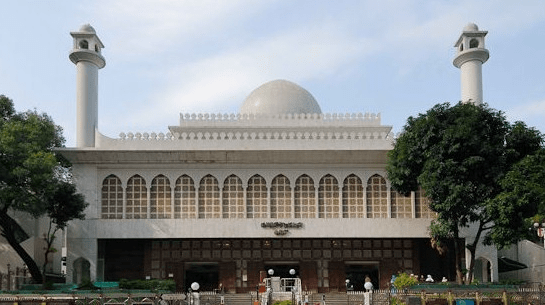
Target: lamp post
column 540, row 230
column 271, row 273
column 194, row 294
column 293, row 286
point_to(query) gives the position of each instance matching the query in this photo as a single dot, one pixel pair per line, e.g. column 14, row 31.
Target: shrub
column 286, row 302
column 168, row 285
column 404, row 281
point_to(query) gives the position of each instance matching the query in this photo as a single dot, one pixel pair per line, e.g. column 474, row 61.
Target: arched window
column 305, row 198
column 233, row 198
column 422, row 205
column 280, row 197
column 353, row 205
column 473, row 43
column 112, row 198
column 84, row 44
column 137, row 198
column 160, row 201
column 402, row 206
column 256, row 198
column 377, row 197
column 209, row 198
column 184, row 198
column 328, row 197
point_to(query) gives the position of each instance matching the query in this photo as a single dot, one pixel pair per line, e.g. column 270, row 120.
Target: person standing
column 368, row 284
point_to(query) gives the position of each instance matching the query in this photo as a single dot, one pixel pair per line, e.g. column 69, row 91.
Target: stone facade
column 222, row 198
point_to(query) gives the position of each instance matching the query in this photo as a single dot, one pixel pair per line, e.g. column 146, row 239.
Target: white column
column 87, row 103
column 471, row 78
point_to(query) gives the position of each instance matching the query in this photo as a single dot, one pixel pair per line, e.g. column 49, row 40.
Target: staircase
column 238, row 299
column 331, row 298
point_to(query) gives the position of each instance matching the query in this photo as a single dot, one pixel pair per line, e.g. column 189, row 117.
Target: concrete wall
column 530, row 254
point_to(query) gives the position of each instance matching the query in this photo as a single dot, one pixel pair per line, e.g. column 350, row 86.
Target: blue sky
column 166, row 57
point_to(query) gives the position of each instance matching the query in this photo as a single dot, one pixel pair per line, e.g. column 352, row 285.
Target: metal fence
column 14, row 278
column 523, row 296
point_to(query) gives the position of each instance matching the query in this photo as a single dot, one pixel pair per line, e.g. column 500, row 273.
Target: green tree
column 34, row 179
column 521, row 201
column 458, row 155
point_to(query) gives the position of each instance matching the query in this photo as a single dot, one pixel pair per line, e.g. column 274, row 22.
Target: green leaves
column 464, row 157
column 522, row 197
column 33, row 178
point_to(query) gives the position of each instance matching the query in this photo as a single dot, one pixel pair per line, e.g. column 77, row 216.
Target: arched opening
column 483, row 270
column 280, row 197
column 209, row 198
column 377, row 194
column 353, row 204
column 84, row 44
column 473, row 43
column 81, row 271
column 233, row 198
column 184, row 198
column 160, row 207
column 328, row 197
column 112, row 198
column 305, row 197
column 256, row 197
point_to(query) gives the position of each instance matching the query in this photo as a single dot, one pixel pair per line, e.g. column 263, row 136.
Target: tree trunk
column 49, row 239
column 8, row 231
column 472, row 250
column 458, row 258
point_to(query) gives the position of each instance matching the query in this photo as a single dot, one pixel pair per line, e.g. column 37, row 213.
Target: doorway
column 282, row 269
column 356, row 273
column 206, row 274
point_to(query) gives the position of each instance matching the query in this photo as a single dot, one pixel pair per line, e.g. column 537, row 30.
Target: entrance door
column 206, row 274
column 282, row 269
column 356, row 273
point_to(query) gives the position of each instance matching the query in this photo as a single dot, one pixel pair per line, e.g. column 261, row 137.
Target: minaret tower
column 471, row 55
column 87, row 58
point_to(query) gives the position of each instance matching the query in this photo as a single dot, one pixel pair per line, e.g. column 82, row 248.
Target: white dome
column 87, row 28
column 471, row 27
column 280, row 97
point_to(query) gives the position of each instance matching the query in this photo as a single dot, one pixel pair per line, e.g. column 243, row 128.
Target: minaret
column 471, row 55
column 86, row 55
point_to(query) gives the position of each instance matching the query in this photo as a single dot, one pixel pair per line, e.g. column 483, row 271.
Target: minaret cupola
column 470, row 55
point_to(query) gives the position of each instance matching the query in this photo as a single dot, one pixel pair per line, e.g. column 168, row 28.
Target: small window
column 96, row 49
column 84, row 44
column 473, row 43
column 461, row 47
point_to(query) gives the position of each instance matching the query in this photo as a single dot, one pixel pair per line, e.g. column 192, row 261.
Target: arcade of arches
column 135, row 199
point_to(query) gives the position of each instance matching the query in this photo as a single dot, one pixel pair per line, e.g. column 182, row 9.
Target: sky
column 167, row 57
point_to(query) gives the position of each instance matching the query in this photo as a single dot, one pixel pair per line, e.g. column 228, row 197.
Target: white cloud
column 222, row 81
column 149, row 27
column 217, row 78
column 526, row 111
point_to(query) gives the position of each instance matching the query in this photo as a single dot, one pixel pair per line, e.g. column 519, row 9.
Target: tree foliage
column 34, row 179
column 521, row 199
column 459, row 155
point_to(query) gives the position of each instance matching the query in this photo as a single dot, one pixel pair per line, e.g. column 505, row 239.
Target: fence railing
column 13, row 279
column 522, row 296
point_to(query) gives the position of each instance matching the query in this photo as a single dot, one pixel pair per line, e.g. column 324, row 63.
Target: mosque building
column 222, row 198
